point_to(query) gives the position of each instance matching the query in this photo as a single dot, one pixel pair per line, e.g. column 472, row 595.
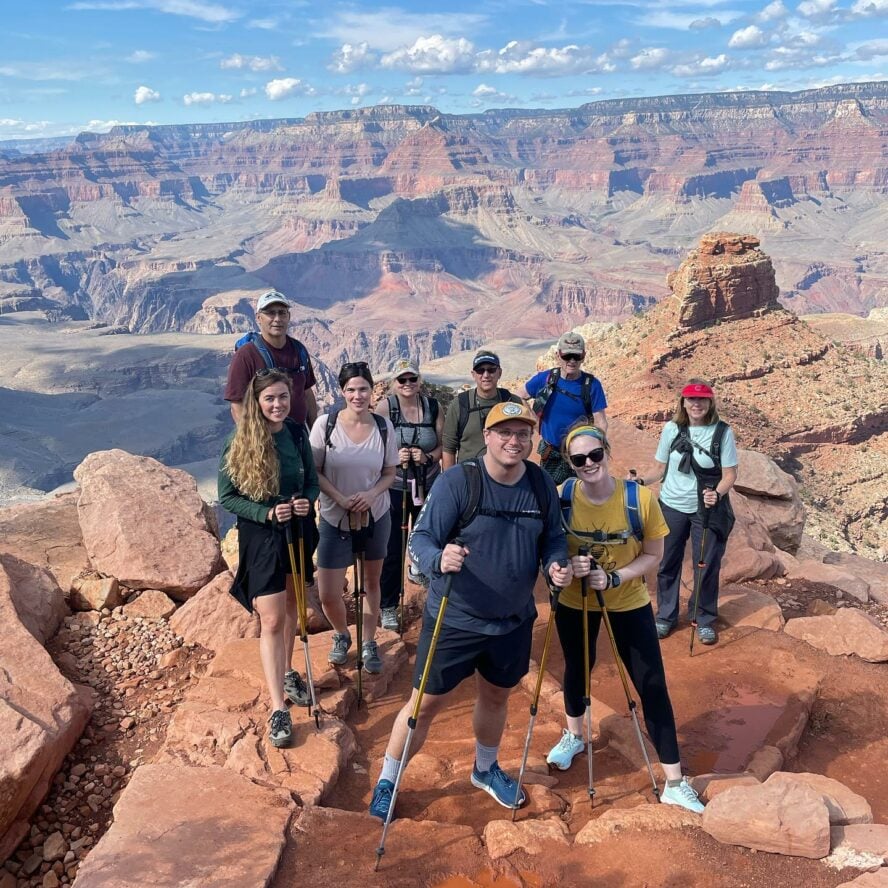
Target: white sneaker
column 683, row 796
column 389, row 619
column 563, row 752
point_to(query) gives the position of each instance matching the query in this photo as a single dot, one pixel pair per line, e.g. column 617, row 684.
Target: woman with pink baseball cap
column 698, row 456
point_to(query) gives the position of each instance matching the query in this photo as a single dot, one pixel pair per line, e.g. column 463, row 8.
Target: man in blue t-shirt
column 487, row 627
column 562, row 395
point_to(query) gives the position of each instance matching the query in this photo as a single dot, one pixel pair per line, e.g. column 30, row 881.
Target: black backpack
column 465, row 409
column 254, row 338
column 551, row 388
column 430, row 408
column 686, row 446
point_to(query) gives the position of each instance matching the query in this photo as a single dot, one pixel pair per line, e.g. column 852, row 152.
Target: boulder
column 848, row 631
column 46, row 533
column 783, row 818
column 41, row 716
column 93, row 592
column 213, row 617
column 36, row 596
column 152, row 604
column 648, row 818
column 503, row 837
column 745, row 606
column 861, row 838
column 749, row 554
column 818, row 572
column 765, row 762
column 774, row 497
column 877, row 879
column 146, row 524
column 708, row 786
column 178, row 827
column 845, row 806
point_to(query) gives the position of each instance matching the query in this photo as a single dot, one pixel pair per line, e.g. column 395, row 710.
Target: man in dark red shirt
column 273, row 317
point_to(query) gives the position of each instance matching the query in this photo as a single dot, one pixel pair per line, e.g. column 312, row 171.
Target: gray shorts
column 335, row 546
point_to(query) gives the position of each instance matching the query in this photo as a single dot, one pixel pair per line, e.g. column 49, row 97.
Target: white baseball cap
column 270, row 298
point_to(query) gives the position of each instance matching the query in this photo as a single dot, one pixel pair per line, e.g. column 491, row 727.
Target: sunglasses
column 268, row 371
column 486, row 370
column 356, row 365
column 571, row 357
column 407, row 380
column 578, row 460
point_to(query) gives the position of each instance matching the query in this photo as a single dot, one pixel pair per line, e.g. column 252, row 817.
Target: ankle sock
column 485, row 756
column 674, row 782
column 390, row 768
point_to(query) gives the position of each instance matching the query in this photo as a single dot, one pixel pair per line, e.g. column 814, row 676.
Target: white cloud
column 870, row 7
column 239, row 62
column 816, row 8
column 102, row 126
column 748, row 38
column 773, row 12
column 414, row 87
column 206, row 98
column 351, row 56
column 871, row 49
column 524, row 58
column 650, row 58
column 705, row 67
column 285, row 87
column 246, row 92
column 139, row 56
column 784, row 57
column 266, row 24
column 435, row 54
column 145, row 94
column 701, row 24
column 214, row 13
column 683, row 21
column 22, row 127
column 482, row 90
column 358, row 91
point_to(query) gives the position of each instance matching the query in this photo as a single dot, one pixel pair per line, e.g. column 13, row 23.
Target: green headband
column 589, row 431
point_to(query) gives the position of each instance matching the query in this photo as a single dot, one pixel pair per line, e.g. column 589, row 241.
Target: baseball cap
column 696, row 390
column 503, row 412
column 485, row 357
column 571, row 343
column 270, row 298
column 405, row 365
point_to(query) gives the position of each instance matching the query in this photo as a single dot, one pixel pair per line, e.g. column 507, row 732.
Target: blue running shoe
column 497, row 783
column 382, row 799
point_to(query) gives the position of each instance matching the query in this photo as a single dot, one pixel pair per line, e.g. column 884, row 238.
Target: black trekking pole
column 414, row 715
column 698, row 574
column 405, row 526
column 355, row 525
column 302, row 609
column 629, row 699
column 587, row 699
column 534, row 703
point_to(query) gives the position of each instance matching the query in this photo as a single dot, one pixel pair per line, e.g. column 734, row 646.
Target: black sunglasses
column 571, row 357
column 267, row 371
column 407, row 380
column 578, row 460
column 356, row 365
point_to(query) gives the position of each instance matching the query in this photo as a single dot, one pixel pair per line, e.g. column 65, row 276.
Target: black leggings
column 636, row 635
column 393, row 565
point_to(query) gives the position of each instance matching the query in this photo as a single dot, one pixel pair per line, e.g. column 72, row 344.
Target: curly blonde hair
column 252, row 460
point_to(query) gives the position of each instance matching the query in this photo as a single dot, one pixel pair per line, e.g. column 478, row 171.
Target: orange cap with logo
column 510, row 410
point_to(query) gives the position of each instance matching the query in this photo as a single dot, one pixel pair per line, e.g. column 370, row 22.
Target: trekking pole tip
column 379, row 852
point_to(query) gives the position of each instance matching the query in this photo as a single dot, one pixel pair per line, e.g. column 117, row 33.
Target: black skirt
column 263, row 559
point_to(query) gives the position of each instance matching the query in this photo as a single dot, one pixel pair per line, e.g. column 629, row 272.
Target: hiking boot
column 707, row 635
column 389, row 619
column 382, row 799
column 497, row 783
column 295, row 689
column 416, row 577
column 370, row 656
column 664, row 627
column 342, row 641
column 683, row 796
column 563, row 752
column 280, row 728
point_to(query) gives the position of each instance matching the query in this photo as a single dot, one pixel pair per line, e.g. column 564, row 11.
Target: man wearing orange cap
column 511, row 529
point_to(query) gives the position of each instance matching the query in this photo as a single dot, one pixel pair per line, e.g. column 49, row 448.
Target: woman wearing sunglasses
column 266, row 477
column 418, row 422
column 615, row 566
column 355, row 467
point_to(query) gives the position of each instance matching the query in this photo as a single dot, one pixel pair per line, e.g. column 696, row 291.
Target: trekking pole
column 405, row 526
column 355, row 522
column 587, row 699
column 555, row 592
column 698, row 576
column 629, row 699
column 414, row 715
column 302, row 610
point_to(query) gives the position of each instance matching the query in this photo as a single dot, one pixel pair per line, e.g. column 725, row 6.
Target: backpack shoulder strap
column 586, row 393
column 472, row 472
column 633, row 512
column 301, row 353
column 262, row 348
column 463, row 403
column 504, row 395
column 332, row 416
column 717, row 437
column 566, row 499
column 383, row 430
column 394, row 410
column 546, row 392
column 538, row 484
column 433, row 408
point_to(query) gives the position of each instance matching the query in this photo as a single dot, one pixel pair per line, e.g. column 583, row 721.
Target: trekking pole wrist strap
column 613, row 580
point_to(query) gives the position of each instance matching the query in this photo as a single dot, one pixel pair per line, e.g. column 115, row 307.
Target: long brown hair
column 681, row 418
column 252, row 460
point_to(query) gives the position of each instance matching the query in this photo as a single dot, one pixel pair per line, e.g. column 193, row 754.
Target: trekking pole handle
column 707, row 510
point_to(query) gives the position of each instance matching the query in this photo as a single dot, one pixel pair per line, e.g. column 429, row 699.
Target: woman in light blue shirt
column 698, row 456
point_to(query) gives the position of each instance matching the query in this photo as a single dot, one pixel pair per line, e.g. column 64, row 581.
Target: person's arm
column 449, row 440
column 554, row 543
column 600, row 420
column 311, row 487
column 237, row 411
column 232, row 500
column 656, row 478
column 523, row 393
column 311, row 407
column 531, row 388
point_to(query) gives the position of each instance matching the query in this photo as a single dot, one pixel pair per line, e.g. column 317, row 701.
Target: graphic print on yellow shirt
column 610, row 518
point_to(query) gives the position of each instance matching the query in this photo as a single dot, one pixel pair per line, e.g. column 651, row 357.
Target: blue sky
column 87, row 64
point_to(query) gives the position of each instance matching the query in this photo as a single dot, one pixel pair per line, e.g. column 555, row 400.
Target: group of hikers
column 485, row 521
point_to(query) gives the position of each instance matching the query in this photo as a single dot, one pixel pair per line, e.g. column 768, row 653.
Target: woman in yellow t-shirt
column 617, row 565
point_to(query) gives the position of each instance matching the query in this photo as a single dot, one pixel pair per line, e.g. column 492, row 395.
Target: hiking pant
column 681, row 526
column 636, row 636
column 393, row 566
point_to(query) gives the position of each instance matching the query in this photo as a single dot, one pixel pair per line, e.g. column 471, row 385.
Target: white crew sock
column 485, row 756
column 390, row 768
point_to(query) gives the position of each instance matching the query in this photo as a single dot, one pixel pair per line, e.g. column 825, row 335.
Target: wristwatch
column 613, row 579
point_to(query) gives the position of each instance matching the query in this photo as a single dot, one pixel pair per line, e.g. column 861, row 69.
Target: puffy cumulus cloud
column 485, row 96
column 817, row 8
column 351, row 56
column 206, row 98
column 144, row 94
column 523, row 58
column 357, row 91
column 238, row 62
column 433, row 55
column 650, row 58
column 285, row 87
column 414, row 87
column 773, row 12
column 871, row 49
column 139, row 56
column 748, row 38
column 864, row 8
column 705, row 67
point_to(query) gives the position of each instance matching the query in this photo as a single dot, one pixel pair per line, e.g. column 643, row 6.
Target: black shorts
column 503, row 660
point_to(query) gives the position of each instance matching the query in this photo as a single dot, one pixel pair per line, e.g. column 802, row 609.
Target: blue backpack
column 634, row 527
column 254, row 338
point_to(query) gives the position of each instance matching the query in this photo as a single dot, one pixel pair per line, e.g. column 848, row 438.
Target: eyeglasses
column 356, row 365
column 578, row 460
column 276, row 313
column 505, row 434
column 486, row 370
column 407, row 380
column 572, row 357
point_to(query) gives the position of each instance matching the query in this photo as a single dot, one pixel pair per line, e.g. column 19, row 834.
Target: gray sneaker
column 390, row 619
column 370, row 655
column 280, row 728
column 342, row 641
column 295, row 688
